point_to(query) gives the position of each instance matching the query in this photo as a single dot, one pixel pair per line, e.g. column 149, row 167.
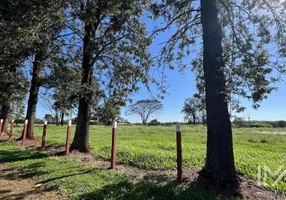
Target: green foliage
column 261, row 126
column 116, row 43
column 13, row 90
column 107, row 112
column 194, row 108
column 62, row 88
column 145, row 108
column 253, row 45
column 27, row 28
column 281, row 124
column 239, row 122
column 154, row 122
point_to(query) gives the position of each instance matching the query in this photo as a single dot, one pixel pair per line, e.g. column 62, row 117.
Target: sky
column 182, row 86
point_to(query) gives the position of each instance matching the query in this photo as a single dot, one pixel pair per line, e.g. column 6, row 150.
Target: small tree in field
column 238, row 122
column 191, row 109
column 281, row 124
column 154, row 122
column 145, row 108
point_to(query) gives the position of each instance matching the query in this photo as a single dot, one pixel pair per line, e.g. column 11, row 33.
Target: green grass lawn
column 154, row 147
column 75, row 180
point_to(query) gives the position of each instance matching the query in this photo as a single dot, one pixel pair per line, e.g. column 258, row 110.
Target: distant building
column 94, row 122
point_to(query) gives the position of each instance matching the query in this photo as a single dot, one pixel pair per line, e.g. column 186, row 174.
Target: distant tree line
column 239, row 122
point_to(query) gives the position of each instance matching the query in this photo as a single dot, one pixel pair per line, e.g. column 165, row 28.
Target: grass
column 154, row 147
column 75, row 180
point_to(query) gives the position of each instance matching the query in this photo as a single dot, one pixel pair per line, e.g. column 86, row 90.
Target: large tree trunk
column 57, row 118
column 6, row 102
column 34, row 91
column 62, row 118
column 4, row 115
column 194, row 120
column 81, row 138
column 219, row 168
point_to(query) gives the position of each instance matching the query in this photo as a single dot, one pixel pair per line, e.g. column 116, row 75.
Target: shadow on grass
column 65, row 176
column 25, row 172
column 32, row 170
column 54, row 150
column 4, row 191
column 160, row 178
column 19, row 155
column 148, row 190
column 30, row 194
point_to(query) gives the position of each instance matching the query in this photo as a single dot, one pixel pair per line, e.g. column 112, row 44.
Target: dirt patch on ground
column 15, row 187
column 136, row 173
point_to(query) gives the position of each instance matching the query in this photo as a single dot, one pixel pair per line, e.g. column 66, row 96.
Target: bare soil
column 12, row 186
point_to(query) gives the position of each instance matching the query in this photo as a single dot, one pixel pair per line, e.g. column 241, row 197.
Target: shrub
column 261, row 126
column 238, row 122
column 154, row 122
column 281, row 124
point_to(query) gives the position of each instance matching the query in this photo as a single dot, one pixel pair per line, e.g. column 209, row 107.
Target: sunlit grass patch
column 155, row 147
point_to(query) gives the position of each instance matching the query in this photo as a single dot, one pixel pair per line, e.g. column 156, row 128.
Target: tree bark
column 4, row 115
column 81, row 138
column 62, row 118
column 194, row 120
column 219, row 167
column 9, row 90
column 34, row 91
column 57, row 118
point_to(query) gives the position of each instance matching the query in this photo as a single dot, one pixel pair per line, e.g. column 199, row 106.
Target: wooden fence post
column 25, row 132
column 1, row 124
column 68, row 138
column 11, row 130
column 179, row 153
column 113, row 150
column 44, row 134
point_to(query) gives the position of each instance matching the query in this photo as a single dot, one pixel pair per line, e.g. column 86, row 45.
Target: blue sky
column 182, row 86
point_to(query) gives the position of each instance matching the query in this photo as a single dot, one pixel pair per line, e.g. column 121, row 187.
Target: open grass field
column 148, row 148
column 155, row 147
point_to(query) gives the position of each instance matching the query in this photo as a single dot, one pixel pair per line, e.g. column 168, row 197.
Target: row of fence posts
column 113, row 149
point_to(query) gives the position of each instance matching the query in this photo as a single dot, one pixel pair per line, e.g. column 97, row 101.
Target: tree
column 233, row 94
column 19, row 96
column 61, row 86
column 154, row 122
column 29, row 26
column 281, row 123
column 107, row 112
column 192, row 109
column 49, row 117
column 49, row 31
column 13, row 49
column 114, row 40
column 13, row 90
column 7, row 85
column 65, row 83
column 252, row 61
column 145, row 108
column 239, row 122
